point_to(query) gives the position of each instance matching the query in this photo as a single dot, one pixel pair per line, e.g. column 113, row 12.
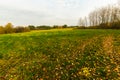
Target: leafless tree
column 108, row 16
column 85, row 21
column 81, row 22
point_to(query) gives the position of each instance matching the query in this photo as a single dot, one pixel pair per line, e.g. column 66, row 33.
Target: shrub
column 20, row 29
column 31, row 27
column 43, row 27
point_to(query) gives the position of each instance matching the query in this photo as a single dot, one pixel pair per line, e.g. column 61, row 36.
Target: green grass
column 60, row 54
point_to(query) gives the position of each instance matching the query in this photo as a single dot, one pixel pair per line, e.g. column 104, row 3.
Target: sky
column 47, row 12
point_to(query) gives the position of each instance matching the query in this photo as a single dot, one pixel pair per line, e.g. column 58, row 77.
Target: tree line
column 45, row 27
column 107, row 17
column 10, row 28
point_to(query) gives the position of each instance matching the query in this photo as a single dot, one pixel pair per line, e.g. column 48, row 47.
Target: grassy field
column 60, row 55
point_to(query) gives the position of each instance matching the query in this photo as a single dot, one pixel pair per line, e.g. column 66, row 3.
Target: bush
column 31, row 27
column 20, row 29
column 43, row 27
column 64, row 26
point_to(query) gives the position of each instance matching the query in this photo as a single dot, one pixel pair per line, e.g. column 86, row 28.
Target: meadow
column 61, row 54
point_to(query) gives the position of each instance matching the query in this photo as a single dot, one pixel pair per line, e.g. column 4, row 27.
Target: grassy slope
column 60, row 54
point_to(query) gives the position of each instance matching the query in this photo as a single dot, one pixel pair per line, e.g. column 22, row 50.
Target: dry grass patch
column 108, row 44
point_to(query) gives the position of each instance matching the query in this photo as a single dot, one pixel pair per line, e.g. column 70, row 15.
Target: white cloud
column 37, row 12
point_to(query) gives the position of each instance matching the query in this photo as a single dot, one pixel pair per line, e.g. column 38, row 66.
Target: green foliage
column 31, row 27
column 64, row 26
column 43, row 27
column 61, row 54
column 80, row 27
column 60, row 27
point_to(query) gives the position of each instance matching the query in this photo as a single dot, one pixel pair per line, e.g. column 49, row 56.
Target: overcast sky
column 47, row 12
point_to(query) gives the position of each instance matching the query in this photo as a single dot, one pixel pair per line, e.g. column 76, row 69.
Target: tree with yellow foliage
column 2, row 30
column 9, row 28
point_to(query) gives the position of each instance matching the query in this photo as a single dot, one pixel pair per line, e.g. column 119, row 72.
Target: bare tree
column 91, row 19
column 105, row 17
column 86, row 21
column 81, row 22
